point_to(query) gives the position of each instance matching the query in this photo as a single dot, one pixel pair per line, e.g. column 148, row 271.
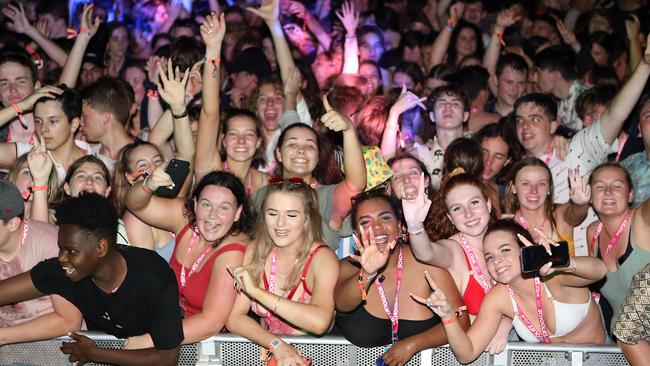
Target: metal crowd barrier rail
column 232, row 350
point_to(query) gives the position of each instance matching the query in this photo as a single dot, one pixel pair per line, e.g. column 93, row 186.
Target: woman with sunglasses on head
column 289, row 275
column 211, row 228
column 384, row 265
column 555, row 307
column 529, row 197
column 619, row 235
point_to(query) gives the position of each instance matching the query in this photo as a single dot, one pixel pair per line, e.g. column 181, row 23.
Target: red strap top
column 303, row 276
column 197, row 284
column 474, row 293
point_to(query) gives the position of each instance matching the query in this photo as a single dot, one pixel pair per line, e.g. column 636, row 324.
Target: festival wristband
column 275, row 343
column 40, row 188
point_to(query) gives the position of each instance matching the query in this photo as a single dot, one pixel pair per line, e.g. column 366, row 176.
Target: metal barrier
column 232, row 350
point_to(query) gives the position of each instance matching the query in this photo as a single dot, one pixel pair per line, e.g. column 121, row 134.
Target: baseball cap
column 252, row 60
column 11, row 201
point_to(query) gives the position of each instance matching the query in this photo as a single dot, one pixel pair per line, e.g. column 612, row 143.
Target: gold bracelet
column 276, row 304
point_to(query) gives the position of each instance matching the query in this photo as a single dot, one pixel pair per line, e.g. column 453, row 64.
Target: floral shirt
column 566, row 112
column 638, row 166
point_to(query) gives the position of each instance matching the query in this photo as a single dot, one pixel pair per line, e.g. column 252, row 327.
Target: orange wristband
column 450, row 320
column 40, row 188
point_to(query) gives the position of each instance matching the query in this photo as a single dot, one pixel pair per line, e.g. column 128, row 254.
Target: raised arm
column 298, row 9
column 270, row 13
column 72, row 65
column 163, row 213
column 207, row 156
column 8, row 113
column 632, row 30
column 389, row 139
column 371, row 259
column 355, row 165
column 580, row 194
column 441, row 44
column 349, row 17
column 40, row 166
column 20, row 24
column 611, row 121
column 505, row 19
column 425, row 250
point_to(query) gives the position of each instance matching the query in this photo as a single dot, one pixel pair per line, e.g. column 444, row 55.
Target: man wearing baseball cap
column 23, row 244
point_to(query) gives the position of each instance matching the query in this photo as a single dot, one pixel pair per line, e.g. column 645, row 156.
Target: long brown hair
column 437, row 224
column 511, row 201
column 313, row 231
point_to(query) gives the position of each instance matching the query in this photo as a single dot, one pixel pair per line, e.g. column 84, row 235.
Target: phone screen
column 534, row 257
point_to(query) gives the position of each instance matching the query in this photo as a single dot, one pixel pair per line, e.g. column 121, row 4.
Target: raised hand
column 508, row 17
column 568, row 37
column 269, row 11
column 456, row 11
column 415, row 210
column 158, row 178
column 371, row 257
column 43, row 27
column 349, row 17
column 580, row 190
column 213, row 30
column 294, row 82
column 437, row 301
column 333, row 119
column 87, row 20
column 18, row 20
column 406, row 101
column 632, row 27
column 152, row 68
column 172, row 87
column 40, row 163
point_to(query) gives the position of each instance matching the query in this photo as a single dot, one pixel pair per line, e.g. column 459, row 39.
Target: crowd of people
column 364, row 168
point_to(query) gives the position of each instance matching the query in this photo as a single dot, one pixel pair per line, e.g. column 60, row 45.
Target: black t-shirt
column 146, row 302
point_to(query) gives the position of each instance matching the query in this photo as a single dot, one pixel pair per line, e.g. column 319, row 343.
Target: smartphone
column 178, row 171
column 535, row 256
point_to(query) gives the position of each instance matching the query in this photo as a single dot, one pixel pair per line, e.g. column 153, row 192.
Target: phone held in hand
column 178, row 171
column 535, row 256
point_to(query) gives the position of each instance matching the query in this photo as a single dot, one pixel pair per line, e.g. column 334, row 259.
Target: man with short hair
column 123, row 291
column 18, row 80
column 105, row 111
column 248, row 70
column 449, row 109
column 510, row 81
column 556, row 73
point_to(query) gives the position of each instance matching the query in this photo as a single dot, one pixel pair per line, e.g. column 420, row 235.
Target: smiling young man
column 123, row 291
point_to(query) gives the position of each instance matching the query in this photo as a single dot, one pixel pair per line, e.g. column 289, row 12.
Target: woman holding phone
column 529, row 197
column 555, row 307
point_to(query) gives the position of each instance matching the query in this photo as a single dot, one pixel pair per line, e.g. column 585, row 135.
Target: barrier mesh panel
column 541, row 358
column 445, row 357
column 368, row 357
column 609, row 359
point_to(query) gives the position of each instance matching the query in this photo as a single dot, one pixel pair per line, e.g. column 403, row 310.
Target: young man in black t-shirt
column 123, row 291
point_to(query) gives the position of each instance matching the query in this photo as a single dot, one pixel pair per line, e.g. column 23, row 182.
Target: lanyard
column 274, row 267
column 394, row 316
column 524, row 224
column 615, row 237
column 543, row 337
column 622, row 139
column 197, row 263
column 476, row 267
column 547, row 158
